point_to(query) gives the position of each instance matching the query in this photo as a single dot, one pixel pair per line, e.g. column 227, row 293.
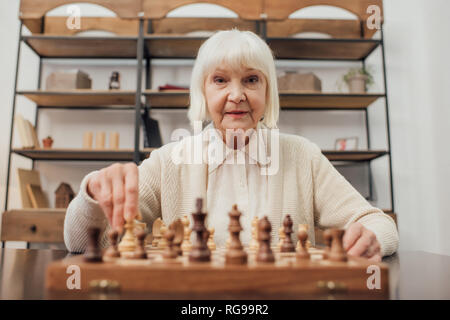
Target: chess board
column 287, row 278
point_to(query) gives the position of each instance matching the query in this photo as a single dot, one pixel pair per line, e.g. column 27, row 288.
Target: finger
column 372, row 250
column 93, row 187
column 105, row 199
column 362, row 244
column 118, row 199
column 131, row 191
column 352, row 234
column 375, row 258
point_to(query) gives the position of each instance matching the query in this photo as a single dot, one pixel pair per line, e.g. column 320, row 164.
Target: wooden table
column 413, row 275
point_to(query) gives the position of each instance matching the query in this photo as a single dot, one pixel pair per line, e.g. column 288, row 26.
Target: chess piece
column 156, row 232
column 304, row 227
column 337, row 252
column 140, row 252
column 186, row 245
column 288, row 244
column 254, row 241
column 114, row 81
column 128, row 243
column 93, row 252
column 112, row 251
column 170, row 252
column 302, row 251
column 200, row 251
column 211, row 244
column 265, row 253
column 178, row 228
column 281, row 236
column 235, row 254
column 327, row 237
column 162, row 244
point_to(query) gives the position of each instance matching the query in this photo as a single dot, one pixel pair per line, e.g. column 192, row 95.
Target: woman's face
column 236, row 99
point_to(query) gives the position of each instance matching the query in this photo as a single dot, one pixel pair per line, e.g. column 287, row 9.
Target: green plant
column 363, row 71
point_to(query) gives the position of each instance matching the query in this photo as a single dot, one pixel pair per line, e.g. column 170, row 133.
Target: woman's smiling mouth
column 236, row 114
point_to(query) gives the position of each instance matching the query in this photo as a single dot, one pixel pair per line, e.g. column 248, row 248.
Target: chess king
column 234, row 88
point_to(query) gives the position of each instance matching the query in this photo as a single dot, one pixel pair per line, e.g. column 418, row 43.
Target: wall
column 416, row 188
column 417, row 49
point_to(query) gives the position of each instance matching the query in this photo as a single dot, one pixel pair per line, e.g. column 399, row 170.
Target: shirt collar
column 256, row 149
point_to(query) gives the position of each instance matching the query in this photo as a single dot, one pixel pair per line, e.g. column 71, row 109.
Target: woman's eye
column 253, row 79
column 219, row 80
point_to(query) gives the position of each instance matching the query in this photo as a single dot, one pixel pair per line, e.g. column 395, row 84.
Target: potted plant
column 358, row 80
column 47, row 142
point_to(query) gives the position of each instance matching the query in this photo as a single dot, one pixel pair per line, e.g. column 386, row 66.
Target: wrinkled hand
column 116, row 190
column 361, row 242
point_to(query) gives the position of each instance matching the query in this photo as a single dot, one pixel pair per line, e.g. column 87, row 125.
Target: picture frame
column 346, row 144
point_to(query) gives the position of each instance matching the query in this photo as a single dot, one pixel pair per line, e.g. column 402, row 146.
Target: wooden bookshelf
column 81, row 97
column 288, row 100
column 76, row 47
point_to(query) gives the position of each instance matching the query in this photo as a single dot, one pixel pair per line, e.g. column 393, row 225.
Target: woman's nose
column 236, row 93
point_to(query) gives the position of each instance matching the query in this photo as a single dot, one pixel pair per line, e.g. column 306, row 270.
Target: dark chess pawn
column 288, row 245
column 235, row 253
column 93, row 252
column 337, row 251
column 170, row 252
column 200, row 251
column 265, row 253
column 302, row 252
column 112, row 251
column 140, row 252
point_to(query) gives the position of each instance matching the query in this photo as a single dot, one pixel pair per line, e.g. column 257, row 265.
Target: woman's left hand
column 361, row 242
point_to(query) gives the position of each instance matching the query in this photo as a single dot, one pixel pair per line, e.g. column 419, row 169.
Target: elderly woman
column 238, row 158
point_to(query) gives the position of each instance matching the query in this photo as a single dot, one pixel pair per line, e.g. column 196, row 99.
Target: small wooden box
column 307, row 82
column 68, row 80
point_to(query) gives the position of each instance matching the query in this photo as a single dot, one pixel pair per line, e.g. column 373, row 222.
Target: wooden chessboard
column 287, row 278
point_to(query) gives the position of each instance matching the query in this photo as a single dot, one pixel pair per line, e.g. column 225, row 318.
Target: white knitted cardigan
column 306, row 186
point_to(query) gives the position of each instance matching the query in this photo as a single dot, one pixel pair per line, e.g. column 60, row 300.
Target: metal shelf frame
column 143, row 53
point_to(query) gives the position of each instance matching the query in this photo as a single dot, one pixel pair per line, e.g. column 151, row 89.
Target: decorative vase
column 47, row 142
column 357, row 83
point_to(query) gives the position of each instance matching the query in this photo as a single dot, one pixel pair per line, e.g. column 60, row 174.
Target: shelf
column 127, row 154
column 178, row 47
column 172, row 47
column 76, row 47
column 81, row 98
column 355, row 156
column 322, row 49
column 79, row 154
column 179, row 99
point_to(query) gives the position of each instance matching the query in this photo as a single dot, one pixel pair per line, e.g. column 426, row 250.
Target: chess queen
column 238, row 157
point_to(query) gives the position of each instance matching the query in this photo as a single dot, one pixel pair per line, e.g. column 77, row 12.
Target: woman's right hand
column 117, row 191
